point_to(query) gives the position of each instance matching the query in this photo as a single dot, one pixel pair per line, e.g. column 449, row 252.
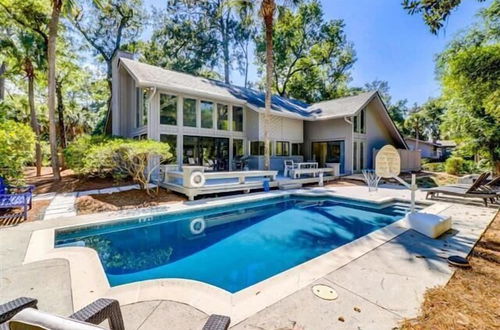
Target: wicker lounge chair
column 475, row 190
column 93, row 314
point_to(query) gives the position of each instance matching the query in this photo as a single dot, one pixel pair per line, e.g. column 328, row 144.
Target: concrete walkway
column 386, row 284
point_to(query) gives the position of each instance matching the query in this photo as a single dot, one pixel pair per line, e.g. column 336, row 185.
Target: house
column 206, row 121
column 438, row 150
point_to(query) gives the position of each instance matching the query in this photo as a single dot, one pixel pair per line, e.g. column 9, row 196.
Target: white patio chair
column 191, row 161
column 287, row 167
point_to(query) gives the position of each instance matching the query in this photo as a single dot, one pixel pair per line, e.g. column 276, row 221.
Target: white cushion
column 431, row 225
column 33, row 319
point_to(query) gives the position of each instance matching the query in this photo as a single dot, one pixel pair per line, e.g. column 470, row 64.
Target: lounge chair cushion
column 33, row 319
column 431, row 225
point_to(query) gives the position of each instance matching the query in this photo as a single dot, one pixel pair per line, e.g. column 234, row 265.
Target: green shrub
column 17, row 144
column 454, row 165
column 433, row 167
column 116, row 157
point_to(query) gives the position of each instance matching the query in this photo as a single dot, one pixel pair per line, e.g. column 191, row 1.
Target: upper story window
column 237, row 119
column 189, row 113
column 282, row 148
column 257, row 148
column 222, row 117
column 168, row 109
column 141, row 113
column 359, row 122
column 207, row 118
column 296, row 149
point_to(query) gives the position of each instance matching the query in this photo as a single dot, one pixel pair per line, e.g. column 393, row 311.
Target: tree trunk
column 496, row 167
column 109, row 78
column 34, row 122
column 2, row 81
column 60, row 114
column 225, row 47
column 51, row 97
column 267, row 11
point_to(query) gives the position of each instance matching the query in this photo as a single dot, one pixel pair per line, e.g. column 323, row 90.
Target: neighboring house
column 206, row 121
column 438, row 150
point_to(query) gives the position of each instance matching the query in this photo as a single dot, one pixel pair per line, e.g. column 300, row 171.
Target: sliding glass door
column 329, row 152
column 206, row 151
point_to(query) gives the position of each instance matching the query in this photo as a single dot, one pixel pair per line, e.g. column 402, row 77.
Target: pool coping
column 89, row 282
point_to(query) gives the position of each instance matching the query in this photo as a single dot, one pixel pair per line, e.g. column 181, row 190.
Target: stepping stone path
column 62, row 205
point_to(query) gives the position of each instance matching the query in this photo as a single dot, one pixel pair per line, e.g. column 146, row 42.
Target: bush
column 116, row 157
column 433, row 167
column 17, row 143
column 454, row 165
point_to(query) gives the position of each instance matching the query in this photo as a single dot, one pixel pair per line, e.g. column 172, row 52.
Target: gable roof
column 344, row 106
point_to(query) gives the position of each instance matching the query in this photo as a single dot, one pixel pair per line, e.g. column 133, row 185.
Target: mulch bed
column 69, row 181
column 471, row 299
column 124, row 200
column 36, row 213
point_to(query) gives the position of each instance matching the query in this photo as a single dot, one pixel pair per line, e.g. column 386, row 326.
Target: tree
column 16, row 142
column 25, row 53
column 312, row 56
column 434, row 12
column 106, row 26
column 433, row 110
column 416, row 124
column 469, row 71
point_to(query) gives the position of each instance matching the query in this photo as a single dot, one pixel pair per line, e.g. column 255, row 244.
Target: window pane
column 355, row 123
column 355, row 156
column 282, row 148
column 237, row 148
column 361, row 155
column 207, row 114
column 257, row 148
column 171, row 140
column 189, row 113
column 238, row 119
column 138, row 103
column 168, row 109
column 362, row 121
column 296, row 149
column 222, row 117
column 144, row 107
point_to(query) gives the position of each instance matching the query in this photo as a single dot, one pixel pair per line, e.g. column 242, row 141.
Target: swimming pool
column 231, row 247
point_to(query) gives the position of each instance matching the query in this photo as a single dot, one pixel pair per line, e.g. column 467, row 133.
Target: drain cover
column 324, row 292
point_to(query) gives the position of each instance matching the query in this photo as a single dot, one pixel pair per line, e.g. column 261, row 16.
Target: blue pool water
column 240, row 244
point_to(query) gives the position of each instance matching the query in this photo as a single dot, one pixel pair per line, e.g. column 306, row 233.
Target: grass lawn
column 471, row 299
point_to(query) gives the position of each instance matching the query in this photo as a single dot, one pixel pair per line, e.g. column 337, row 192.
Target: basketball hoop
column 371, row 179
column 388, row 165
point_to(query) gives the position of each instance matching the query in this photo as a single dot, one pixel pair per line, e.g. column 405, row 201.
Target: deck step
column 288, row 186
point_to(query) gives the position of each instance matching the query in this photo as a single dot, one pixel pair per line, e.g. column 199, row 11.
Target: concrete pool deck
column 386, row 284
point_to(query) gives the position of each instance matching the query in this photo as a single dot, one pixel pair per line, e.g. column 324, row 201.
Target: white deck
column 224, row 182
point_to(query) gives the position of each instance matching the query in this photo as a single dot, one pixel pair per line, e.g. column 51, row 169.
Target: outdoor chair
column 10, row 199
column 475, row 190
column 288, row 166
column 21, row 314
column 191, row 161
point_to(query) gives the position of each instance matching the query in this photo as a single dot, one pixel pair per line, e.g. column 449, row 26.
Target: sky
column 390, row 44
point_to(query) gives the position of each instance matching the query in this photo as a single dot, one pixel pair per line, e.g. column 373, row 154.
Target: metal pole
column 413, row 189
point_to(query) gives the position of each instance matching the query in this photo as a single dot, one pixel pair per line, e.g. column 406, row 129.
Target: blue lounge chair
column 10, row 200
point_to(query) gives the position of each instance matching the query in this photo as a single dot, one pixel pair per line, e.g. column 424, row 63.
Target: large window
column 207, row 151
column 361, row 155
column 359, row 122
column 171, row 141
column 168, row 109
column 297, row 149
column 207, row 119
column 237, row 148
column 329, row 152
column 222, row 117
column 282, row 148
column 189, row 113
column 257, row 148
column 355, row 156
column 138, row 98
column 237, row 119
column 144, row 107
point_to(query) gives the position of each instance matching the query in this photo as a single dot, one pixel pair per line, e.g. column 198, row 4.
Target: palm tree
column 28, row 55
column 267, row 9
